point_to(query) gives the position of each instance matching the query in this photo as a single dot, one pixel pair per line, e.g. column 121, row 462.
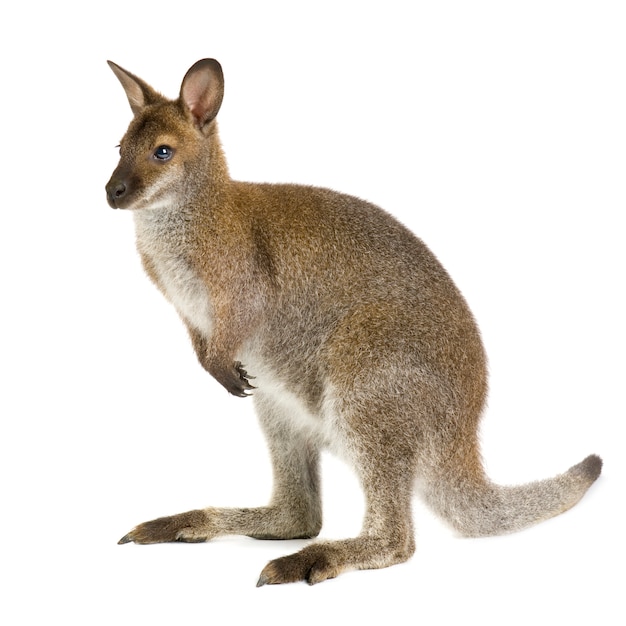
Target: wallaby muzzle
column 118, row 189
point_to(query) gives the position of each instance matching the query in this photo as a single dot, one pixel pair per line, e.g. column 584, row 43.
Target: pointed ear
column 202, row 91
column 138, row 92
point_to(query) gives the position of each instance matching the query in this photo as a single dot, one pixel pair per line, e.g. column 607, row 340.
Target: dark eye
column 163, row 153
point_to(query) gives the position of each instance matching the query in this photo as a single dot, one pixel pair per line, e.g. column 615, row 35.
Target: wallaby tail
column 477, row 508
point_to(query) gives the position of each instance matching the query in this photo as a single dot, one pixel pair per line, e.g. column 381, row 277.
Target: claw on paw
column 241, row 386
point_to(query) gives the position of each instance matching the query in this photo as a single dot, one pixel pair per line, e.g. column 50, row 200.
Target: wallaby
column 354, row 335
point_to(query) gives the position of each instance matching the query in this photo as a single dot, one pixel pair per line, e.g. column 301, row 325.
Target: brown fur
column 357, row 339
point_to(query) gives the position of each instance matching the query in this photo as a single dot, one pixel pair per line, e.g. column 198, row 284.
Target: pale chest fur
column 158, row 238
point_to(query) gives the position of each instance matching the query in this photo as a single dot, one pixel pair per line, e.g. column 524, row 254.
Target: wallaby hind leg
column 386, row 473
column 294, row 511
column 386, row 539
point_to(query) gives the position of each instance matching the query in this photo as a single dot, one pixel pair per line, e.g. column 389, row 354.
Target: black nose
column 116, row 189
column 119, row 190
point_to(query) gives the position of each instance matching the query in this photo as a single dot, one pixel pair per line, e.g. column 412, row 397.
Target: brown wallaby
column 354, row 335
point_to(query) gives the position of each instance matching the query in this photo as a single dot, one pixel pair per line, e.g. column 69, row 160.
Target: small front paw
column 236, row 380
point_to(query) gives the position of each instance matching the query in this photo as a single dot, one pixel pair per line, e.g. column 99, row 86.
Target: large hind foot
column 324, row 560
column 191, row 527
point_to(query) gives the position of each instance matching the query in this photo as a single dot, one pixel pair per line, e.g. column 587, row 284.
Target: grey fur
column 354, row 336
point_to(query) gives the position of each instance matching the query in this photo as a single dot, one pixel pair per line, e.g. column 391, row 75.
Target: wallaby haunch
column 354, row 335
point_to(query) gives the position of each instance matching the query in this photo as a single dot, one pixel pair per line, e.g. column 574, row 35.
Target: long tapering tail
column 477, row 508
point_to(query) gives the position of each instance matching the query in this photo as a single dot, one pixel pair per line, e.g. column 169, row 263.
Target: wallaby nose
column 119, row 190
column 116, row 189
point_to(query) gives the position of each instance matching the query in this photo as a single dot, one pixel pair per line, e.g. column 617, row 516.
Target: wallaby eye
column 163, row 153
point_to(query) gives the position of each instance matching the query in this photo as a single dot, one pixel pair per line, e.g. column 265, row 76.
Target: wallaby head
column 165, row 138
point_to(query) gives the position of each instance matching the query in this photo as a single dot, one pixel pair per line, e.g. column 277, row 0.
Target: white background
column 495, row 130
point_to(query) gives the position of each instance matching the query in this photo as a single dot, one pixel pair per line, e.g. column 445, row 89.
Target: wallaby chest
column 161, row 243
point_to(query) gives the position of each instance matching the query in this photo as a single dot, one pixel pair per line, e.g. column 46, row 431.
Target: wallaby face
column 164, row 141
column 354, row 335
column 151, row 169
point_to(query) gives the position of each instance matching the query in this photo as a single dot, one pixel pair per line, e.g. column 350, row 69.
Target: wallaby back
column 354, row 334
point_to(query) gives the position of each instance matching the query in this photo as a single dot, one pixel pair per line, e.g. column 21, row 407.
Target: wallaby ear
column 138, row 92
column 202, row 91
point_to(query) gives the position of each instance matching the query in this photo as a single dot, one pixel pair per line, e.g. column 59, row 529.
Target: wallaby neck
column 208, row 179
